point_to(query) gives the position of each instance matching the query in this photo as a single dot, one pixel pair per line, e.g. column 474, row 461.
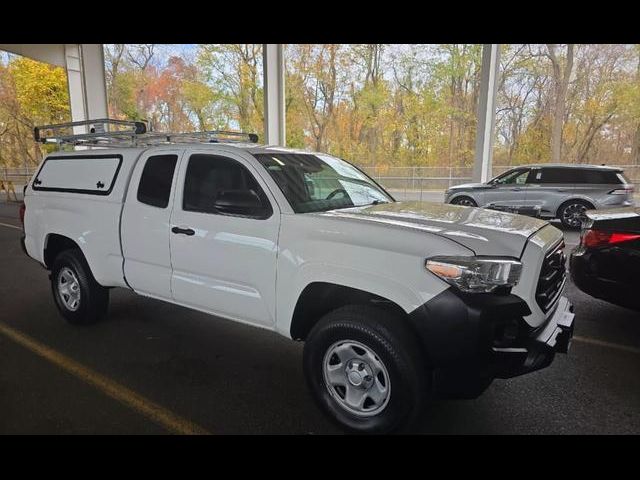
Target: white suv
column 396, row 302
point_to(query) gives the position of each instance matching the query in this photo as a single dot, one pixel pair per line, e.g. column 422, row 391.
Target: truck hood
column 485, row 232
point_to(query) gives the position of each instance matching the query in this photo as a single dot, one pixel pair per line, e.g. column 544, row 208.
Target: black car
column 606, row 264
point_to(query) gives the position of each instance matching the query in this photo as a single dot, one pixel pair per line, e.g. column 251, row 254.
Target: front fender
column 383, row 260
column 404, row 295
column 476, row 196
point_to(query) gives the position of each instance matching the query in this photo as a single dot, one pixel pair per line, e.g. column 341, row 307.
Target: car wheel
column 365, row 370
column 571, row 213
column 464, row 201
column 79, row 298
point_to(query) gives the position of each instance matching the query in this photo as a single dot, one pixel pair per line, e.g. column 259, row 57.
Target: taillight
column 622, row 191
column 23, row 208
column 598, row 238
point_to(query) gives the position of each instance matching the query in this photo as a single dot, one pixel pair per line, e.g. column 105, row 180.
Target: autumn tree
column 313, row 71
column 234, row 72
column 377, row 105
column 562, row 70
column 31, row 93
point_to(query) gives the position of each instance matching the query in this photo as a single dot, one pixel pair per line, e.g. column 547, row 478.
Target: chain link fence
column 12, row 181
column 406, row 183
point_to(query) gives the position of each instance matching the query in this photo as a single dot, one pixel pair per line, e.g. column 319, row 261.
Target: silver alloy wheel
column 356, row 377
column 573, row 214
column 465, row 202
column 69, row 289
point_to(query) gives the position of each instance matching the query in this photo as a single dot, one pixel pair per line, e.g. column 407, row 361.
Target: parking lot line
column 122, row 394
column 10, row 226
column 601, row 343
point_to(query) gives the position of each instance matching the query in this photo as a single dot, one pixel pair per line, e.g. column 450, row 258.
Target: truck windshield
column 317, row 183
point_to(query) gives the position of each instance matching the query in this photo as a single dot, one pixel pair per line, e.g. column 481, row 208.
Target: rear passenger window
column 601, row 176
column 561, row 175
column 579, row 175
column 155, row 182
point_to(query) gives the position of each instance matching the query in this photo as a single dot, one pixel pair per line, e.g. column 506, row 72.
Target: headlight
column 476, row 274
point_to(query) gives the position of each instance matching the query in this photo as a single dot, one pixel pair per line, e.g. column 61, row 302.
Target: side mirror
column 239, row 202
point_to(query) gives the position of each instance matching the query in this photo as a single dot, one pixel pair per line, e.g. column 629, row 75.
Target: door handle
column 183, row 231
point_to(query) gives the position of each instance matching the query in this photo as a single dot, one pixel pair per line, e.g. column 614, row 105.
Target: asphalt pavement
column 156, row 368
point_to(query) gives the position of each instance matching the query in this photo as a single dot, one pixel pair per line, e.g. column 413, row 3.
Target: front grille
column 552, row 277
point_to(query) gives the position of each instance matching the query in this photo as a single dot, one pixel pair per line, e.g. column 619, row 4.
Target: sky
column 185, row 50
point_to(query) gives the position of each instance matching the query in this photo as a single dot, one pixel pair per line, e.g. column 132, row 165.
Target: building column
column 87, row 86
column 274, row 110
column 482, row 168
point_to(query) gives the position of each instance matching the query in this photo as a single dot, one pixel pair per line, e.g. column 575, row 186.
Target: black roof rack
column 109, row 132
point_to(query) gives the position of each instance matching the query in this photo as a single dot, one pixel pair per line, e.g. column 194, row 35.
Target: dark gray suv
column 554, row 190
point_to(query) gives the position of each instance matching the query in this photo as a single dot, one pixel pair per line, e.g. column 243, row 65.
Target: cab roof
column 251, row 148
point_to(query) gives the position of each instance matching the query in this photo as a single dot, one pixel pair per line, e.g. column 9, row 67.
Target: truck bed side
column 90, row 219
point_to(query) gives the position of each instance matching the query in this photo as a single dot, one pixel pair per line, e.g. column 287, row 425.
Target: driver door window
column 220, row 185
column 510, row 189
column 517, row 177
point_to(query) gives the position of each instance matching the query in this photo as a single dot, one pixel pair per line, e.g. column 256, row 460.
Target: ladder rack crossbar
column 102, row 127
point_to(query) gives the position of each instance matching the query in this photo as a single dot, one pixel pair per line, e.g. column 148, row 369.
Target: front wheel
column 79, row 298
column 365, row 370
column 464, row 201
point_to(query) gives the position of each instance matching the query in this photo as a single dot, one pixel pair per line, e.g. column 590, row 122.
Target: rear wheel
column 464, row 201
column 79, row 298
column 365, row 370
column 572, row 213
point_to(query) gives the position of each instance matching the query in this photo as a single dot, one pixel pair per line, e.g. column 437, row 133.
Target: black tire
column 567, row 212
column 391, row 341
column 93, row 298
column 464, row 201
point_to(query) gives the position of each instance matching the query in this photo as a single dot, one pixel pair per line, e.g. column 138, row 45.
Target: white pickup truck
column 397, row 302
